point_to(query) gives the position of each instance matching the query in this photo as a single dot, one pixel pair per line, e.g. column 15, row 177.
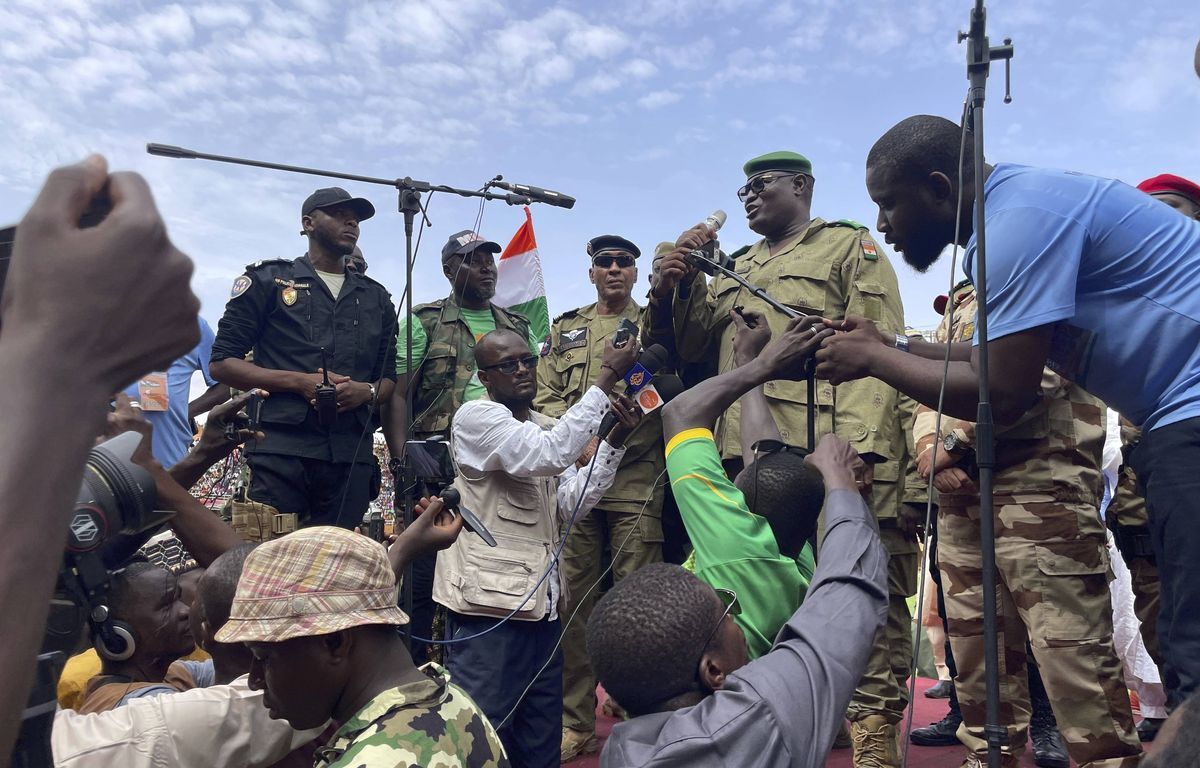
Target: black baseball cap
column 323, row 198
column 466, row 242
column 611, row 243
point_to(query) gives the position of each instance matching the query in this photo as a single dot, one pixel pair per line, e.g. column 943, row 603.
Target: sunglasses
column 509, row 367
column 732, row 608
column 759, row 183
column 605, row 262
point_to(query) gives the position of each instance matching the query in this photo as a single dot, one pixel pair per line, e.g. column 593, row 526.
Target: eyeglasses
column 509, row 367
column 732, row 608
column 606, row 261
column 759, row 183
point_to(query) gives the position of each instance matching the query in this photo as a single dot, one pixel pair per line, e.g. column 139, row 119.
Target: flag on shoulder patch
column 869, row 251
column 519, row 283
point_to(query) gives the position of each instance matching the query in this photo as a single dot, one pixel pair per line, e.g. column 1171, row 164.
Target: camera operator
column 516, row 470
column 57, row 349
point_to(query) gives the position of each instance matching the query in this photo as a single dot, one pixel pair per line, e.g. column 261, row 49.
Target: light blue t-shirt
column 1116, row 269
column 172, row 429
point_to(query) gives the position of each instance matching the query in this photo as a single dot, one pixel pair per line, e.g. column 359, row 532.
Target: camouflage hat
column 312, row 582
column 789, row 162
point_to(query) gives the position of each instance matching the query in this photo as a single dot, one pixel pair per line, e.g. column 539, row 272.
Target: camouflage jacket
column 1053, row 451
column 832, row 269
column 432, row 722
column 569, row 367
column 449, row 363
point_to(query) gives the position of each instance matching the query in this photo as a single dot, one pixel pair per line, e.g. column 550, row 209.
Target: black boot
column 943, row 733
column 1048, row 748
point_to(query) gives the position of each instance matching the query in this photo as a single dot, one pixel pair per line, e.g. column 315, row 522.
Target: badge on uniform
column 869, row 251
column 240, row 286
column 289, row 296
column 572, row 339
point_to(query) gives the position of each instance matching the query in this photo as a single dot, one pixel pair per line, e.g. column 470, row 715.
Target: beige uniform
column 629, row 517
column 1052, row 568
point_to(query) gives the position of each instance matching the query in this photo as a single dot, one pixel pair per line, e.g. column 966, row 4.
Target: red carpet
column 927, row 711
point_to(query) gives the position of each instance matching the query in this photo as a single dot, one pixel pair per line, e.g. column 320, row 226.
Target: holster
column 1133, row 541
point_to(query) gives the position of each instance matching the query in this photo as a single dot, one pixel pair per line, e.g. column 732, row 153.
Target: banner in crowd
column 519, row 283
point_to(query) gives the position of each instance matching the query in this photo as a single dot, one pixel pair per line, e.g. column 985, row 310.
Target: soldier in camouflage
column 1052, row 563
column 317, row 610
column 830, row 268
column 628, row 518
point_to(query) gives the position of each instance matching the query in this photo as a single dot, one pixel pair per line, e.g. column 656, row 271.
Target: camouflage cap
column 312, row 582
column 790, row 162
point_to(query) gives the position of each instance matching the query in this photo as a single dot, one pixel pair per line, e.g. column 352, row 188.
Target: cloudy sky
column 644, row 110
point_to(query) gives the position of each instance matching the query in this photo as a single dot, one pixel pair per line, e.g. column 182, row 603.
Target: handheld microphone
column 537, row 194
column 664, row 389
column 716, row 220
column 452, row 500
column 636, row 378
column 704, row 256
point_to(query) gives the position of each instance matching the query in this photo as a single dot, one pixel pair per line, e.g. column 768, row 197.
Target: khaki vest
column 522, row 514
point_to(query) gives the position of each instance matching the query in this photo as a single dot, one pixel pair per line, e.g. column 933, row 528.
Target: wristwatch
column 374, row 394
column 901, row 342
column 955, row 445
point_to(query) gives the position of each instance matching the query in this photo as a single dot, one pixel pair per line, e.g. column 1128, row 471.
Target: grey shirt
column 784, row 708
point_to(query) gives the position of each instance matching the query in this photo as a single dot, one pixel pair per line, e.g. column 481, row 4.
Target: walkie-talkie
column 326, row 396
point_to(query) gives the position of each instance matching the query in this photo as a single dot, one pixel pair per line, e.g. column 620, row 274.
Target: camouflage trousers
column 1143, row 573
column 582, row 563
column 883, row 689
column 1052, row 590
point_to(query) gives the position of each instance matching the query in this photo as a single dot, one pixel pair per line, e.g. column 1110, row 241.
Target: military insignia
column 572, row 339
column 240, row 286
column 289, row 296
column 968, row 331
column 878, row 400
column 869, row 251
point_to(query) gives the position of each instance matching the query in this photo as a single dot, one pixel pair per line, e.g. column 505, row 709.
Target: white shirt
column 488, row 438
column 222, row 725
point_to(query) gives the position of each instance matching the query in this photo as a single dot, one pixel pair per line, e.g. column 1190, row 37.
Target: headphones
column 113, row 639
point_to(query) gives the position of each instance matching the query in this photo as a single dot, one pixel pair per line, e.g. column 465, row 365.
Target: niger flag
column 519, row 283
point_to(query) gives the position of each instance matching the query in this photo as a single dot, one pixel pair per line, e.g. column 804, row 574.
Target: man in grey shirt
column 703, row 704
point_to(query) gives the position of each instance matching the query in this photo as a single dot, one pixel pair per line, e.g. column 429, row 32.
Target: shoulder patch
column 240, row 286
column 870, row 252
column 265, row 262
column 848, row 223
column 740, row 252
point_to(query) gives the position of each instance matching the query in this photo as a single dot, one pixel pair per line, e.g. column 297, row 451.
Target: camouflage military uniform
column 1052, row 568
column 1129, row 518
column 448, row 364
column 629, row 516
column 428, row 723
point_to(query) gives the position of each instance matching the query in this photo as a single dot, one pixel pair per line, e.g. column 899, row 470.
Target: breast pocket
column 368, row 324
column 868, row 300
column 801, row 285
column 570, row 369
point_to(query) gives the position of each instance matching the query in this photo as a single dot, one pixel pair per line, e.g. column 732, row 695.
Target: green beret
column 790, row 162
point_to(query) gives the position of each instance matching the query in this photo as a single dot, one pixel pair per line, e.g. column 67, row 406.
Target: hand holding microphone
column 676, row 267
column 614, row 363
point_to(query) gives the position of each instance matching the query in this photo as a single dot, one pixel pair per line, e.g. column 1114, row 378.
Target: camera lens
column 117, row 496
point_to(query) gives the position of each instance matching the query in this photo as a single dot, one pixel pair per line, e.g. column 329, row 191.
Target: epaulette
column 568, row 313
column 740, row 251
column 265, row 262
column 848, row 223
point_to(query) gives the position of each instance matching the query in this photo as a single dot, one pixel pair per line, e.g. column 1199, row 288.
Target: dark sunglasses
column 759, row 183
column 509, row 367
column 732, row 608
column 606, row 261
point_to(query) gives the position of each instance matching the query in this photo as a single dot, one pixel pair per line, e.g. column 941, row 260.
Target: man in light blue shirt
column 1086, row 275
column 172, row 389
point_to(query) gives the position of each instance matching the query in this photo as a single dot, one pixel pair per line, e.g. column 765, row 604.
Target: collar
column 426, row 694
column 632, row 311
column 762, row 252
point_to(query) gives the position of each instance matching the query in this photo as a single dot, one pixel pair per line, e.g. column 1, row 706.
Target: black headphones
column 113, row 639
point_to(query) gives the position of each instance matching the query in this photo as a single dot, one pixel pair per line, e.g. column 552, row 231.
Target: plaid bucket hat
column 312, row 582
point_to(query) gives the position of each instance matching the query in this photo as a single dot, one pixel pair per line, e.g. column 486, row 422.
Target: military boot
column 943, row 733
column 1048, row 748
column 873, row 741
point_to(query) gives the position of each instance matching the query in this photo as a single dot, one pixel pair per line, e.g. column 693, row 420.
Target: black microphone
column 537, row 194
column 652, row 359
column 452, row 500
column 651, row 397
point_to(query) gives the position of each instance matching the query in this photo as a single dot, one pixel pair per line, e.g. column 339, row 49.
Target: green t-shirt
column 733, row 547
column 480, row 321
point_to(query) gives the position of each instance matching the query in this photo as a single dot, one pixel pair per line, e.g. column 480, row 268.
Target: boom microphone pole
column 979, row 57
column 410, row 191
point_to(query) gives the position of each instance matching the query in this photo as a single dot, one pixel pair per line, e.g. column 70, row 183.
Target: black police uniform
column 286, row 314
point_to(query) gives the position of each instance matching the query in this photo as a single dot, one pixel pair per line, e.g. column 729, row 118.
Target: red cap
column 1169, row 182
column 939, row 304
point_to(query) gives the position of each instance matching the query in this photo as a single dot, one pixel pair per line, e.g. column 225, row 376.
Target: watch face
column 950, row 443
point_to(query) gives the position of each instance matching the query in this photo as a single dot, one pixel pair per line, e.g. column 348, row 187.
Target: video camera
column 114, row 515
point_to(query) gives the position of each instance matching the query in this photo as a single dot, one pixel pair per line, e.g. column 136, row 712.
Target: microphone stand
column 410, row 191
column 710, row 267
column 979, row 57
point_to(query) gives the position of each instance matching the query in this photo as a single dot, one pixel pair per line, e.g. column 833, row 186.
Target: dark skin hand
column 433, row 529
column 911, row 521
column 629, row 415
column 674, row 268
column 837, row 462
column 350, row 394
column 954, row 480
column 1016, row 364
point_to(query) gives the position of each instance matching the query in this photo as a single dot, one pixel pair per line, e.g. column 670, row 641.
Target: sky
column 644, row 110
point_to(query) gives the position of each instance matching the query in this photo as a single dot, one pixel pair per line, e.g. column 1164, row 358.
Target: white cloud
column 656, row 99
column 1154, row 70
column 219, row 15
